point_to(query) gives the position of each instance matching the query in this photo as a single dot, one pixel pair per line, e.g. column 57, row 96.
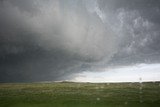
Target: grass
column 67, row 94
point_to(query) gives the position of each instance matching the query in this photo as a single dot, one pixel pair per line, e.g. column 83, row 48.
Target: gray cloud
column 51, row 40
column 136, row 22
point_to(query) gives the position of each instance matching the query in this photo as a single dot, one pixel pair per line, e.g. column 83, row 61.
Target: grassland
column 80, row 95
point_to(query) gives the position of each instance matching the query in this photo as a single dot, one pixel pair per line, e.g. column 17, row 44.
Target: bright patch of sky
column 136, row 73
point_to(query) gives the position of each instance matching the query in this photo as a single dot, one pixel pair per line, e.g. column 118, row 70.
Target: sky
column 137, row 73
column 55, row 40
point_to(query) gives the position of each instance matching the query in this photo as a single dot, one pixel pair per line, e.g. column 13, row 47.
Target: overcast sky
column 52, row 40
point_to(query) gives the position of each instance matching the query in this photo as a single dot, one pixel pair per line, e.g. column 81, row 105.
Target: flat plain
column 70, row 94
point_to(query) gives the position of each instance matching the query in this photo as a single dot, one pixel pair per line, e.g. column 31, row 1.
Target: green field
column 67, row 94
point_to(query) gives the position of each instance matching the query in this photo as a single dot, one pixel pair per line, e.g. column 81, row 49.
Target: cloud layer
column 51, row 40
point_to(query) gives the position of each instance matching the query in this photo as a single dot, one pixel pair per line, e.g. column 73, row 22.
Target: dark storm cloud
column 50, row 40
column 137, row 24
